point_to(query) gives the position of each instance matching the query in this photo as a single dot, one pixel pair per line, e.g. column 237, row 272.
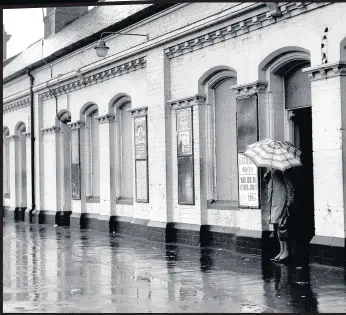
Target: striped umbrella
column 280, row 155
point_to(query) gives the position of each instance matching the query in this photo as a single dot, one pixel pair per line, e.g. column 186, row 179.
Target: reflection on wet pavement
column 49, row 269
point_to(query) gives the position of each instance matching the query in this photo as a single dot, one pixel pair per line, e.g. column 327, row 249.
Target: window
column 21, row 165
column 6, row 163
column 222, row 139
column 126, row 152
column 93, row 154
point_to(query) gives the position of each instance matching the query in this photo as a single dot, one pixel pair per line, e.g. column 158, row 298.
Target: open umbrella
column 280, row 155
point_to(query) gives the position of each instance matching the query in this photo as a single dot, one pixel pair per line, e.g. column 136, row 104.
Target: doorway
column 304, row 195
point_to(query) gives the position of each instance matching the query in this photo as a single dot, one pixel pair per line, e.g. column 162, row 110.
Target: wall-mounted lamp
column 102, row 48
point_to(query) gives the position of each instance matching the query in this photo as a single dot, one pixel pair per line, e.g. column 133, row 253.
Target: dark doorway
column 304, row 192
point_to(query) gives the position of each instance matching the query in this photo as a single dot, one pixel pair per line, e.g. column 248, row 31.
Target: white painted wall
column 164, row 79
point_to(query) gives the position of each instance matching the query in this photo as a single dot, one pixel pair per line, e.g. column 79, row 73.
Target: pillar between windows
column 51, row 167
column 257, row 89
column 28, row 168
column 106, row 162
column 189, row 192
column 76, row 202
column 140, row 162
column 328, row 88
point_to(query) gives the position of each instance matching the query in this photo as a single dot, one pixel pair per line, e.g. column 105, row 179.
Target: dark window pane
column 185, row 180
column 247, row 125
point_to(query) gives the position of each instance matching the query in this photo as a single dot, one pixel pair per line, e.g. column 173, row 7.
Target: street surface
column 57, row 270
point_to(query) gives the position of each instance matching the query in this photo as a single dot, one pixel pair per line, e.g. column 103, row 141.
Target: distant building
column 211, row 78
column 5, row 38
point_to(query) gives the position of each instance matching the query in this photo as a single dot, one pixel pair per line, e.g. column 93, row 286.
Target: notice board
column 248, row 182
column 247, row 133
column 186, row 187
column 141, row 159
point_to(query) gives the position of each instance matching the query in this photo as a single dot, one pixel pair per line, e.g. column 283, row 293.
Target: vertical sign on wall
column 75, row 165
column 186, row 189
column 247, row 133
column 141, row 159
column 248, row 182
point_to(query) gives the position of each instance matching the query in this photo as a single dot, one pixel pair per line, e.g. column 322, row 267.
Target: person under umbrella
column 278, row 156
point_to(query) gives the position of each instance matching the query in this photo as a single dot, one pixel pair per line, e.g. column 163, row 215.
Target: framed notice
column 186, row 183
column 184, row 131
column 141, row 159
column 141, row 138
column 248, row 183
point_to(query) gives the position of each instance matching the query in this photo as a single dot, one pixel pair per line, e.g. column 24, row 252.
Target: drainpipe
column 32, row 79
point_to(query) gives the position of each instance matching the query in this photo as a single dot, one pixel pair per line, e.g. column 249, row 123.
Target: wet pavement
column 47, row 269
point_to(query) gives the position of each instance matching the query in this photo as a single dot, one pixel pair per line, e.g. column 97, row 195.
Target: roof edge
column 128, row 21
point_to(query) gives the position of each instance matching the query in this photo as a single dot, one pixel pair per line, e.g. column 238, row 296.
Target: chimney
column 56, row 18
column 6, row 37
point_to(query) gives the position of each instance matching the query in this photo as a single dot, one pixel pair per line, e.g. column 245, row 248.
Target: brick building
column 148, row 139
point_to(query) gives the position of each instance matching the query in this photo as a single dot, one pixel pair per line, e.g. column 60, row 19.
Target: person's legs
column 285, row 250
column 281, row 247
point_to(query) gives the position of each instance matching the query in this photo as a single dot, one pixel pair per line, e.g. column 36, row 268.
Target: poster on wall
column 184, row 131
column 141, row 159
column 248, row 181
column 141, row 138
column 186, row 186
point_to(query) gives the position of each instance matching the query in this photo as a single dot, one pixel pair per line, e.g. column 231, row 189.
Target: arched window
column 222, row 138
column 6, row 163
column 123, row 136
column 92, row 152
column 21, row 180
column 126, row 151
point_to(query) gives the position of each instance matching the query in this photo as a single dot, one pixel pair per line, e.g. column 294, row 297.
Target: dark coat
column 280, row 191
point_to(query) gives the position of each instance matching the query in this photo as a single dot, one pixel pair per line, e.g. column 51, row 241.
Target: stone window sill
column 93, row 199
column 223, row 204
column 124, row 201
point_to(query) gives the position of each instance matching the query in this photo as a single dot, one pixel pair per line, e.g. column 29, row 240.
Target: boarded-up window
column 297, row 88
column 126, row 152
column 225, row 141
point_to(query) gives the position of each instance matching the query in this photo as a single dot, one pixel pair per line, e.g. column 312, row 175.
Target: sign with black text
column 248, row 182
column 184, row 131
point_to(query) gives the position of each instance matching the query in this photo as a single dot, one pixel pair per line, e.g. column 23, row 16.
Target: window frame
column 6, row 156
column 210, row 90
column 92, row 113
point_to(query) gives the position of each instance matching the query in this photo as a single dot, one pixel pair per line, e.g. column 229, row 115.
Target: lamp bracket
column 119, row 33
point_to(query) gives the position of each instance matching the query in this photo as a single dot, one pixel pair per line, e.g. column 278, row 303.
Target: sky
column 25, row 26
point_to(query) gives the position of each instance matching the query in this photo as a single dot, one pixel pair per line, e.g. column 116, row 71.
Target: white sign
column 247, row 182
